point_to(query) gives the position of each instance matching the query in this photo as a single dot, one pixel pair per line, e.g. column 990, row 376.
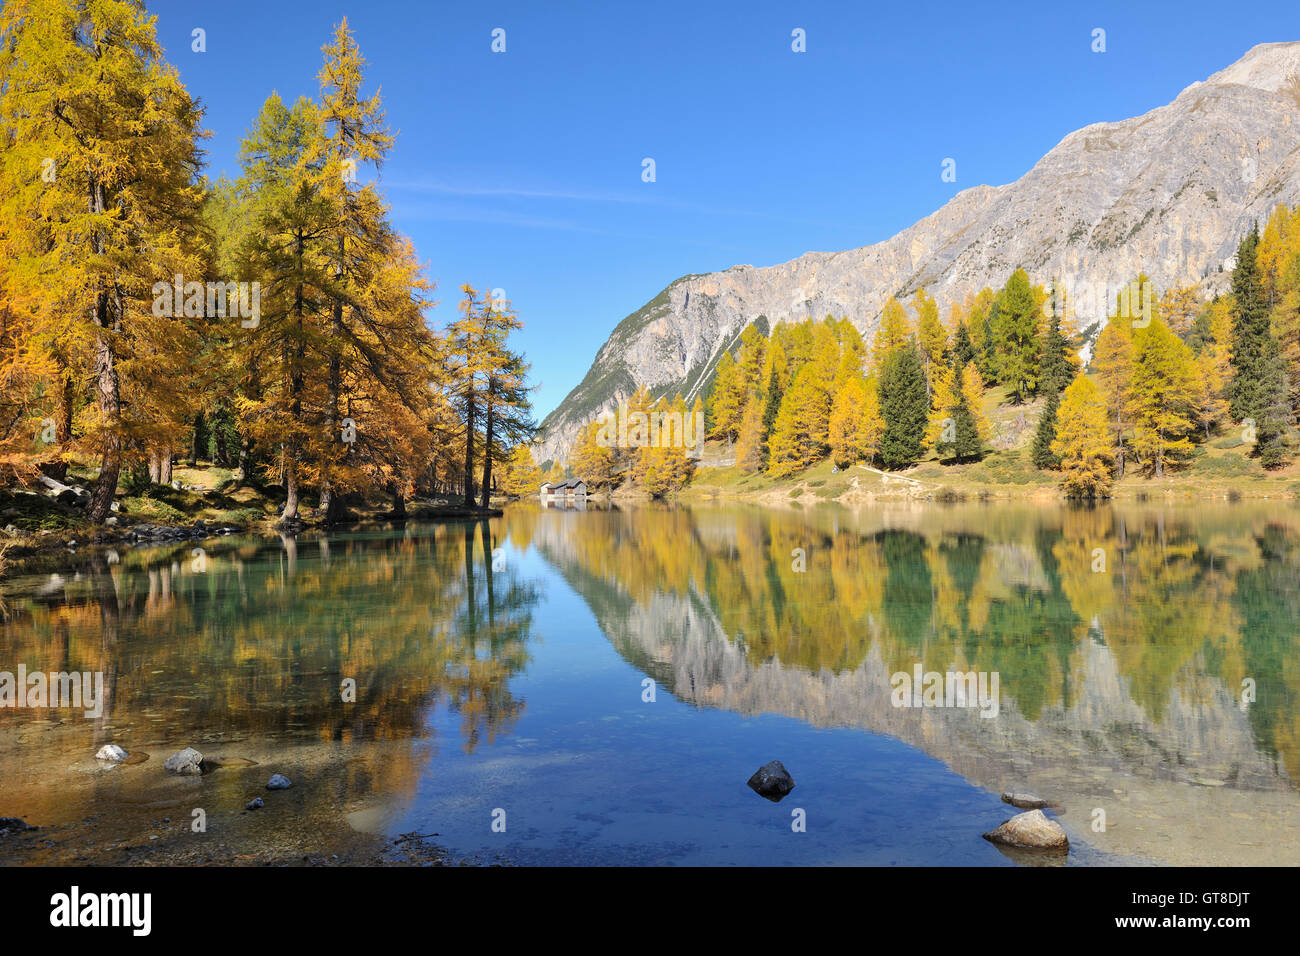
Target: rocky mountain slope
column 1169, row 193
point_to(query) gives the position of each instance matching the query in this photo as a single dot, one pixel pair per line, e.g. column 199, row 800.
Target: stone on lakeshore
column 1031, row 830
column 278, row 782
column 187, row 762
column 772, row 780
column 1027, row 801
column 111, row 752
column 256, row 803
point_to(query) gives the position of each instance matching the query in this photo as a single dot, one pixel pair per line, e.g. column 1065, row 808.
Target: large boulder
column 1031, row 831
column 772, row 781
column 187, row 762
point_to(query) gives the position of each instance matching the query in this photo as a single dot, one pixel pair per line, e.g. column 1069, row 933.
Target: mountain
column 1168, row 193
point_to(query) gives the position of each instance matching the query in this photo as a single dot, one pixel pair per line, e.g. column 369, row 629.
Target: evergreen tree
column 1057, row 366
column 1259, row 385
column 904, row 406
column 1045, row 434
column 1015, row 336
column 963, row 350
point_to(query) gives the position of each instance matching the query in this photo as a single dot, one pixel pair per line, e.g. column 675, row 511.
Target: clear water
column 501, row 669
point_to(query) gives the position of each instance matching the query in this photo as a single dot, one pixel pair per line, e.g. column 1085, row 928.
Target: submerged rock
column 772, row 780
column 256, row 803
column 111, row 752
column 187, row 762
column 1027, row 801
column 278, row 782
column 13, row 823
column 1031, row 830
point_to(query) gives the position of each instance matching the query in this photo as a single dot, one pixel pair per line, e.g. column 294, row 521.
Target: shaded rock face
column 1030, row 831
column 772, row 781
column 1169, row 193
column 187, row 762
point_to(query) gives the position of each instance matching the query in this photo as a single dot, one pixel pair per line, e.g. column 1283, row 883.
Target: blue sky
column 522, row 170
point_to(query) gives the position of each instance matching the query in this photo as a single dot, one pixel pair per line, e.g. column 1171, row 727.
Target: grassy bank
column 1219, row 470
column 208, row 496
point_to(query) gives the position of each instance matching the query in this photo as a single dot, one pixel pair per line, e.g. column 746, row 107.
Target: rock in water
column 1027, row 801
column 111, row 752
column 772, row 780
column 278, row 782
column 187, row 762
column 13, row 823
column 256, row 803
column 1032, row 830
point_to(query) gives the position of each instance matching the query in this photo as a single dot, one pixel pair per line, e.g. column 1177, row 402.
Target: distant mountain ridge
column 1168, row 193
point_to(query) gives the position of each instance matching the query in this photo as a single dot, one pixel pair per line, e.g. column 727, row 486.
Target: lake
column 597, row 686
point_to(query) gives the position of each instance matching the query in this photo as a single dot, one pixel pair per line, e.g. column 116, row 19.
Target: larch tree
column 507, row 407
column 726, row 400
column 354, row 134
column 1112, row 362
column 750, row 451
column 523, row 477
column 281, row 401
column 98, row 189
column 930, row 333
column 892, row 334
column 799, row 437
column 1162, row 400
column 1083, row 440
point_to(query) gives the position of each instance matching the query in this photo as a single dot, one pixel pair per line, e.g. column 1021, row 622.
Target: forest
column 1163, row 377
column 272, row 323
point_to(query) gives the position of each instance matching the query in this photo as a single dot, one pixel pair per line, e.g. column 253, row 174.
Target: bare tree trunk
column 290, row 511
column 110, row 397
column 487, row 453
column 110, row 467
column 58, row 468
column 223, row 452
column 291, row 486
column 469, row 450
column 155, row 467
column 165, row 466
